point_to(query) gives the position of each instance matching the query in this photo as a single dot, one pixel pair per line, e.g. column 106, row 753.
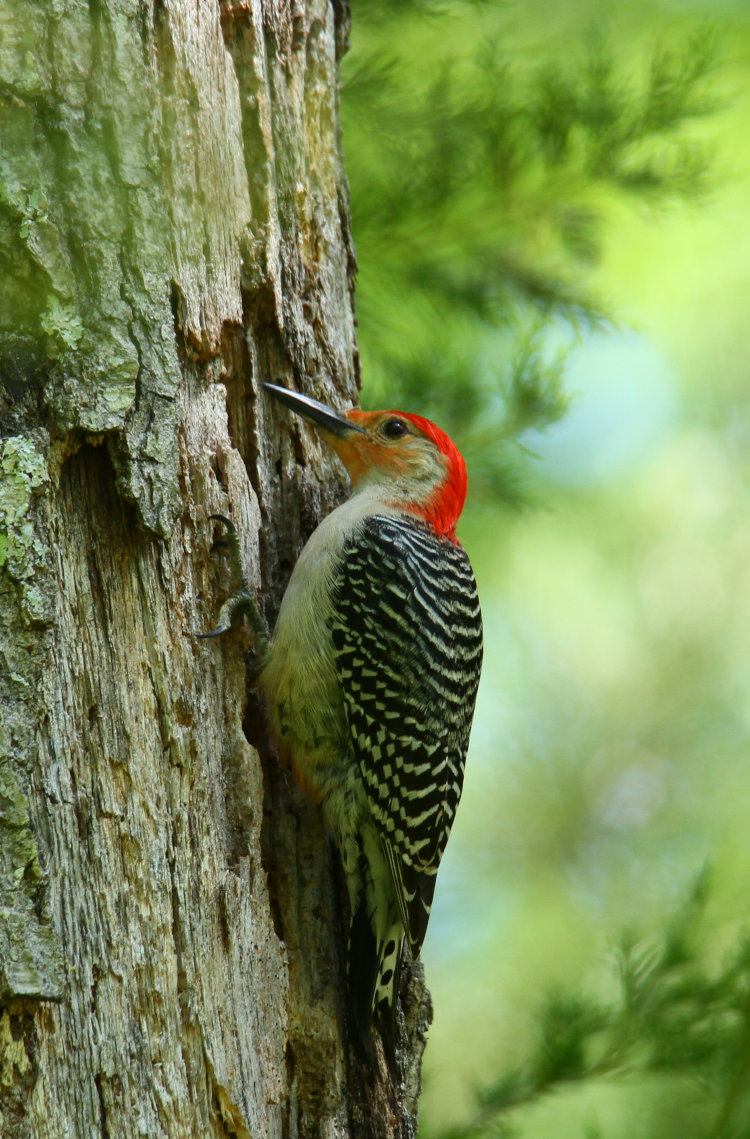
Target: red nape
column 443, row 511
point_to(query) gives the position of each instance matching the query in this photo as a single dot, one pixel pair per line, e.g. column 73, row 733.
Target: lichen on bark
column 30, row 964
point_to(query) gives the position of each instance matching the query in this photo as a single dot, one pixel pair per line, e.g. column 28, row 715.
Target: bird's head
column 419, row 469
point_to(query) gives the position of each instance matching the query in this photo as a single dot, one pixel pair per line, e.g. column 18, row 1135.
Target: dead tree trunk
column 174, row 230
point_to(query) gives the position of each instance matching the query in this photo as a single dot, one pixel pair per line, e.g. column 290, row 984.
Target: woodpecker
column 371, row 677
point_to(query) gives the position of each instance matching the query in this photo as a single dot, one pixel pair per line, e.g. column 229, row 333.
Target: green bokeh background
column 609, row 757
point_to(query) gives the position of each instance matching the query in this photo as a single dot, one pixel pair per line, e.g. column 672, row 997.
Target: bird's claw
column 241, row 602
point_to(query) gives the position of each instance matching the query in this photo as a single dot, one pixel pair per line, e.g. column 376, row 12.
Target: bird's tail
column 362, row 968
column 390, row 952
column 374, row 974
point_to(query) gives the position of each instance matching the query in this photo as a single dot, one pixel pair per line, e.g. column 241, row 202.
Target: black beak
column 310, row 409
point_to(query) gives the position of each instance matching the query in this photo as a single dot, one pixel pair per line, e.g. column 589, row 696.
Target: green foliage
column 671, row 1016
column 490, row 162
column 482, row 179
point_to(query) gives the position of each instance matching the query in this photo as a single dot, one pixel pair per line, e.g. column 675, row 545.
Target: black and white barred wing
column 407, row 637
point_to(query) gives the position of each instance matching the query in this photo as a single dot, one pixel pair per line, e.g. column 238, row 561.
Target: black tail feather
column 385, row 1018
column 363, row 974
column 364, row 965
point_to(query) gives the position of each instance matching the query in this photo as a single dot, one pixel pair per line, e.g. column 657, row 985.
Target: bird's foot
column 241, row 602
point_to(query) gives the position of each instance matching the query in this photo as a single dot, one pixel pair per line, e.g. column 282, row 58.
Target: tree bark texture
column 174, row 230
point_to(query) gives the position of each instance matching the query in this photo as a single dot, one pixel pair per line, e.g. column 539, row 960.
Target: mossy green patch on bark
column 23, row 474
column 84, row 239
column 30, row 964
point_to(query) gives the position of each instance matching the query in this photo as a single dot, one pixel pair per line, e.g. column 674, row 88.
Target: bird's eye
column 394, row 428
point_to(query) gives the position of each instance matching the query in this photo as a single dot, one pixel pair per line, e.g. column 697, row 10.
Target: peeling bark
column 174, row 230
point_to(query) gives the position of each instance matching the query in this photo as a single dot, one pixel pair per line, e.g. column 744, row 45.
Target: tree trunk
column 174, row 230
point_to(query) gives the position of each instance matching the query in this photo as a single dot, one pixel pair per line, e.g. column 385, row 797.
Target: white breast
column 305, row 704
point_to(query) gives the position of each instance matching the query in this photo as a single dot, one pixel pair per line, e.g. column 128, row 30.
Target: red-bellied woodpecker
column 371, row 679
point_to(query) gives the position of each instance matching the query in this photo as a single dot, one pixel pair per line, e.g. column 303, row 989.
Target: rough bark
column 174, row 230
